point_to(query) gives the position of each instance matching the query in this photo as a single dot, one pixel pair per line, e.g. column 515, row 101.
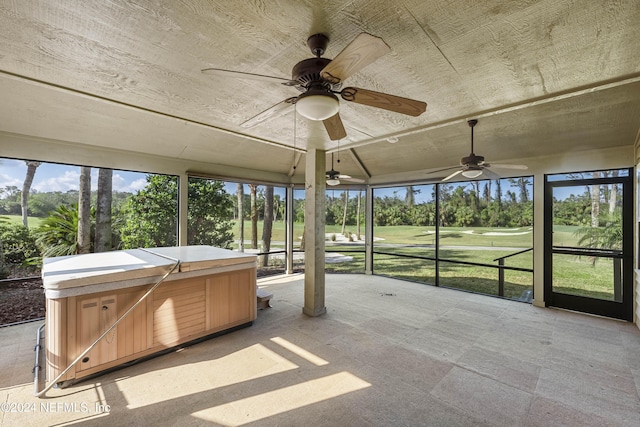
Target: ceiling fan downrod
column 472, row 123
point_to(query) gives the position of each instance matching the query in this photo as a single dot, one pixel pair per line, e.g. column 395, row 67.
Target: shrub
column 18, row 243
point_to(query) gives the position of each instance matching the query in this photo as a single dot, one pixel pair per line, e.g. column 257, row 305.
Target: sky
column 57, row 177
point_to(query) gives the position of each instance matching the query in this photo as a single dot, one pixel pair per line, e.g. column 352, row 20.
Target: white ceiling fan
column 473, row 166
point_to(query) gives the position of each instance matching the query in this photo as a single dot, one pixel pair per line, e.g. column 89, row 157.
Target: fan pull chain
column 295, row 126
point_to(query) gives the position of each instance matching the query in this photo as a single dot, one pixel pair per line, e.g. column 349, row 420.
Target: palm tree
column 84, row 211
column 409, row 198
column 26, row 187
column 57, row 234
column 344, row 212
column 268, row 223
column 241, row 216
column 608, row 236
column 595, row 202
column 253, row 189
column 358, row 214
column 103, row 211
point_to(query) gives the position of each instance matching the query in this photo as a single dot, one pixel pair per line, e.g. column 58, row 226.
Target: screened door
column 589, row 241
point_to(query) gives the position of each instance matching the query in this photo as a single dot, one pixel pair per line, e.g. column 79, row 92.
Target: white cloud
column 119, row 183
column 138, row 184
column 7, row 181
column 65, row 182
column 12, row 173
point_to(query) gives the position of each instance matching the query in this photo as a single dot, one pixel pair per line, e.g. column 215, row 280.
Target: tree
column 498, row 197
column 26, row 187
column 521, row 184
column 608, row 236
column 103, row 211
column 210, row 213
column 613, row 195
column 358, row 214
column 241, row 216
column 410, row 198
column 486, row 193
column 344, row 214
column 151, row 214
column 268, row 223
column 595, row 202
column 476, row 185
column 253, row 189
column 84, row 211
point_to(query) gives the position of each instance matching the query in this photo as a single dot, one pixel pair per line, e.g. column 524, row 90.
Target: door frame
column 619, row 310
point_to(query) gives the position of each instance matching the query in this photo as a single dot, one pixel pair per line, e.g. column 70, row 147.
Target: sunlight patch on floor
column 285, row 399
column 308, row 356
column 247, row 364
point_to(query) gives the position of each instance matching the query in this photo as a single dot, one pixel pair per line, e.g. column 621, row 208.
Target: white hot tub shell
column 212, row 291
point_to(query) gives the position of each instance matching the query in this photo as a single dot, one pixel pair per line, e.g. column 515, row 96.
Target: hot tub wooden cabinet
column 212, row 291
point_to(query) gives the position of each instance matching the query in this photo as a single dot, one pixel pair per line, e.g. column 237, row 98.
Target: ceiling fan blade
column 250, row 76
column 385, row 101
column 443, row 169
column 334, row 127
column 505, row 166
column 270, row 113
column 490, row 174
column 349, row 179
column 362, row 51
column 458, row 172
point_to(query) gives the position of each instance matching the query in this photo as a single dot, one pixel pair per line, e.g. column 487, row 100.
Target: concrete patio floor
column 386, row 353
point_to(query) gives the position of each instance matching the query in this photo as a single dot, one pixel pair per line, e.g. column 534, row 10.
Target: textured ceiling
column 544, row 77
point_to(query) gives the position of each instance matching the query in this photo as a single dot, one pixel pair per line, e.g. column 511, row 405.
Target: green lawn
column 572, row 274
column 33, row 221
column 581, row 276
column 565, row 235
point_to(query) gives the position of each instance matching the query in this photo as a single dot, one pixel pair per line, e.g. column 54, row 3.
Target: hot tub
column 212, row 291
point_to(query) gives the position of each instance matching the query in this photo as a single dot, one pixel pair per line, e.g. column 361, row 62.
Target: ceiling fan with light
column 473, row 165
column 334, row 177
column 320, row 79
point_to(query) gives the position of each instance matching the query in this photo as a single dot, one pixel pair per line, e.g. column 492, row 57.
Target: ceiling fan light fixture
column 333, row 182
column 472, row 173
column 317, row 105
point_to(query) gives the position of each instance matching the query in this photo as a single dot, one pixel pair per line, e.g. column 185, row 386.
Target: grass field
column 33, row 221
column 482, row 245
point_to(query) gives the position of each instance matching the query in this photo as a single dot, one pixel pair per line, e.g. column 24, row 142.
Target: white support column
column 183, row 202
column 314, row 230
column 289, row 220
column 368, row 232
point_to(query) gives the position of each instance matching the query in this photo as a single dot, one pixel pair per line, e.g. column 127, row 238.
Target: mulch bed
column 21, row 300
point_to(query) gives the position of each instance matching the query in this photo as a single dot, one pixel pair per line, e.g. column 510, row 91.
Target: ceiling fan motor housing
column 307, row 73
column 472, row 160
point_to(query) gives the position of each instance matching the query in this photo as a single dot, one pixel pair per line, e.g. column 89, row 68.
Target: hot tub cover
column 90, row 269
